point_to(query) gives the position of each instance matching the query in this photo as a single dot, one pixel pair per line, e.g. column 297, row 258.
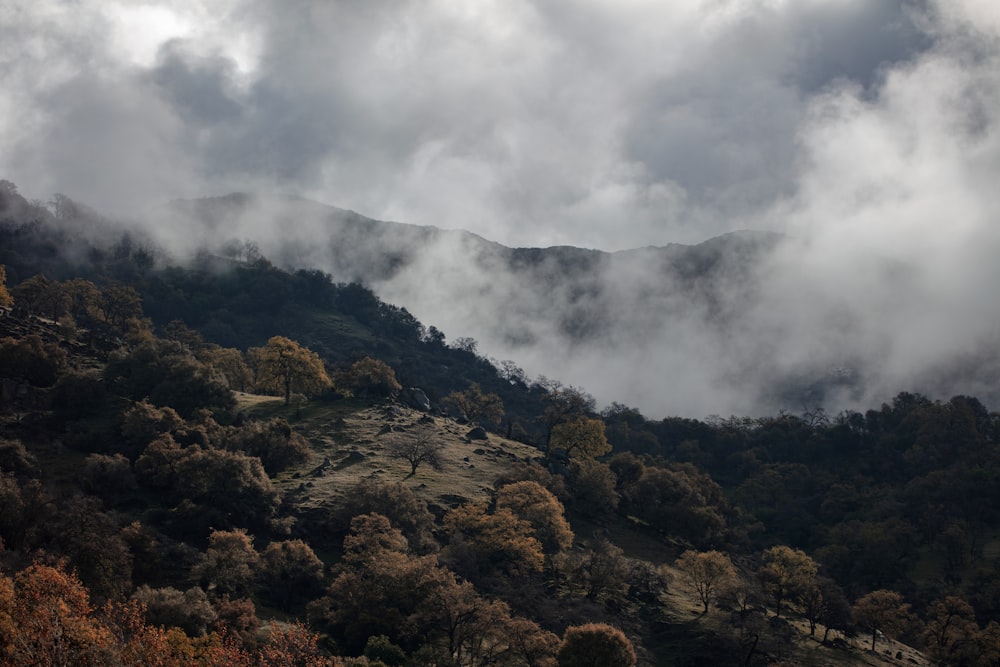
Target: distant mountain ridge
column 552, row 309
column 395, row 244
column 749, row 322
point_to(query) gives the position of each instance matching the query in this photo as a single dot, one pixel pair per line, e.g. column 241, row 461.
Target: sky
column 598, row 123
column 867, row 131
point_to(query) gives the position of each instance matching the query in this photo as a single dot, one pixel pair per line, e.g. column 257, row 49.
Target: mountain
column 750, row 322
column 559, row 311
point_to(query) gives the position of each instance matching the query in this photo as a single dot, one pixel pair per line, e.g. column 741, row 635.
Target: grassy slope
column 354, row 436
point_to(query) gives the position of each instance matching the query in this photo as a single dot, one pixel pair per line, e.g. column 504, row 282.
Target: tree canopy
column 286, row 366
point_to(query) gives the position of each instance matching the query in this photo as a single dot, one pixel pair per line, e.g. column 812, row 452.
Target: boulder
column 478, row 433
column 415, row 398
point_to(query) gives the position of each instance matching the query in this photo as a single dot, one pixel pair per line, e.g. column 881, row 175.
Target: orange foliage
column 46, row 618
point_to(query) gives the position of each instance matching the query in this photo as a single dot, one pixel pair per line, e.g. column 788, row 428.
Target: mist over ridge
column 865, row 133
column 744, row 323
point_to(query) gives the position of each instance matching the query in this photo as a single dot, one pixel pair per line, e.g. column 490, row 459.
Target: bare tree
column 417, row 450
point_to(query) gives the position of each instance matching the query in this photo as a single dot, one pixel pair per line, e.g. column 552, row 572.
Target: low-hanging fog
column 863, row 132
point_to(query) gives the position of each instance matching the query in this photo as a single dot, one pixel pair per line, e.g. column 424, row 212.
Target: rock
column 385, row 429
column 415, row 398
column 478, row 433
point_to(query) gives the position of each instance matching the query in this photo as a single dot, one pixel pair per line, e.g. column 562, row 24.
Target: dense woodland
column 150, row 513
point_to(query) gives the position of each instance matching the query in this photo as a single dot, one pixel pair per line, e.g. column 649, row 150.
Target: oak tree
column 286, row 366
column 5, row 298
column 476, row 405
column 786, row 574
column 581, row 438
column 881, row 611
column 422, row 448
column 595, row 645
column 370, row 376
column 535, row 504
column 707, row 572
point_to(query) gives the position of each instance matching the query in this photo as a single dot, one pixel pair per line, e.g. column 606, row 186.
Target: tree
column 6, row 301
column 824, row 602
column 533, row 503
column 229, row 564
column 381, row 589
column 419, row 449
column 582, row 437
column 289, row 571
column 595, row 645
column 188, row 610
column 166, row 373
column 229, row 362
column 119, row 304
column 36, row 296
column 881, row 611
column 285, row 365
column 498, row 540
column 562, row 404
column 369, row 375
column 46, row 618
column 786, row 574
column 592, row 486
column 395, row 501
column 535, row 646
column 707, row 572
column 32, row 360
column 950, row 625
column 603, row 568
column 476, row 405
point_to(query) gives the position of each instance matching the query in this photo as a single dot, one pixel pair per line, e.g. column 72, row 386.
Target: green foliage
column 561, row 405
column 78, row 394
column 109, row 477
column 678, row 501
column 602, row 569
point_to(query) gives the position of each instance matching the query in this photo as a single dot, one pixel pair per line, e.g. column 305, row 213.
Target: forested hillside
column 218, row 461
